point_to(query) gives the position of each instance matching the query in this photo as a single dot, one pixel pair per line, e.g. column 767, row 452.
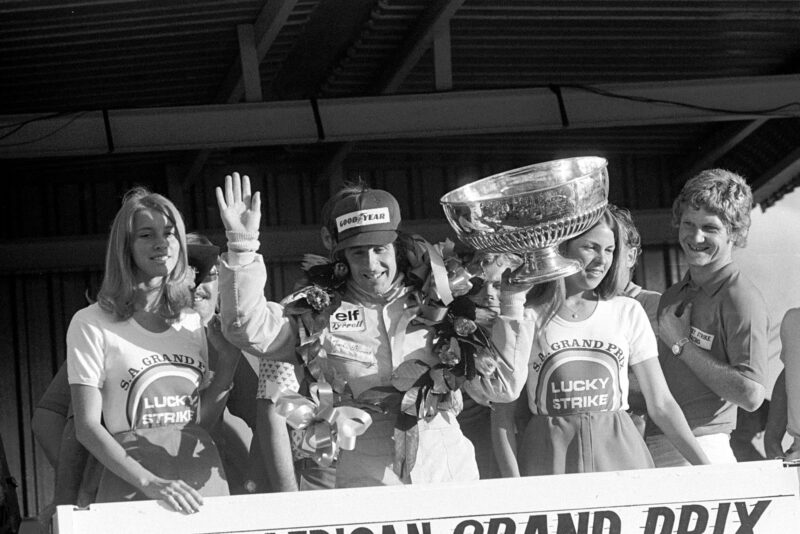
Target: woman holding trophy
column 570, row 340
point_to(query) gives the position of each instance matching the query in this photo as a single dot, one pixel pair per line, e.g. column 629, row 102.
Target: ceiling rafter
column 266, row 28
column 442, row 59
column 776, row 178
column 718, row 148
column 432, row 20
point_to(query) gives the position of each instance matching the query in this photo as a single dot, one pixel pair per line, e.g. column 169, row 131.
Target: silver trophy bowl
column 529, row 211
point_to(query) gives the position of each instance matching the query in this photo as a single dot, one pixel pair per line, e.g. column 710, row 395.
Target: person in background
column 571, row 351
column 77, row 472
column 631, row 252
column 632, row 249
column 784, row 409
column 713, row 325
column 235, row 433
column 138, row 366
column 9, row 503
column 51, row 414
column 476, row 419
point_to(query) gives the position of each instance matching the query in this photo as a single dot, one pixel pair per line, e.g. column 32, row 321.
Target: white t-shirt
column 147, row 379
column 583, row 366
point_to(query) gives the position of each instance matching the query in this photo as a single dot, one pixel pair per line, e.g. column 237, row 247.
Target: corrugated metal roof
column 498, row 44
column 109, row 54
column 124, row 54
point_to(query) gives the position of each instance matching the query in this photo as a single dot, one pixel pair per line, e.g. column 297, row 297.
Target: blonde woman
column 138, row 366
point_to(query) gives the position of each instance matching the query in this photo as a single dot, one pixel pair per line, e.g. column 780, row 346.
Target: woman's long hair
column 118, row 292
column 546, row 299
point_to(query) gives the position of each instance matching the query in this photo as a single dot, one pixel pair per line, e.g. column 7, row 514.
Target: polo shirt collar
column 714, row 283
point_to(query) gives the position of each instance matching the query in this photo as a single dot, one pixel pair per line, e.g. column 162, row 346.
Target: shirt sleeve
column 85, row 352
column 642, row 338
column 249, row 321
column 746, row 332
column 513, row 339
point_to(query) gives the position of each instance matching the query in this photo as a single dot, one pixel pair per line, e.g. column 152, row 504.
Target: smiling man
column 353, row 343
column 713, row 324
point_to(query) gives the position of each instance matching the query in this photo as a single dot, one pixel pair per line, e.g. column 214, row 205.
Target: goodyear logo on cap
column 356, row 219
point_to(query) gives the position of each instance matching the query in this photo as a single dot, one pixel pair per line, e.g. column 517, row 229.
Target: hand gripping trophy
column 529, row 211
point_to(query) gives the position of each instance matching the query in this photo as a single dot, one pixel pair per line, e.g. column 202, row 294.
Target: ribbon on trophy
column 436, row 289
column 325, row 429
column 439, row 274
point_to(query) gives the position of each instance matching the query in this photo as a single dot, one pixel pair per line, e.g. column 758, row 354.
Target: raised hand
column 507, row 286
column 239, row 209
column 512, row 296
column 178, row 495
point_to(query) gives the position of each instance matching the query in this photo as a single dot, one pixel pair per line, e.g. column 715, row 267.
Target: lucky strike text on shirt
column 578, row 376
column 163, row 390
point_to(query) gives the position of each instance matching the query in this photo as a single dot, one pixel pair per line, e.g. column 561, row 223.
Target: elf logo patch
column 701, row 339
column 357, row 219
column 347, row 320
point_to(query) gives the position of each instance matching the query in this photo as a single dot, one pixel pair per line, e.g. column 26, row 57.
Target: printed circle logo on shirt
column 572, row 382
column 164, row 395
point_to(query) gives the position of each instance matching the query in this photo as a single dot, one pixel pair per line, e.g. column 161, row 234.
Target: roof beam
column 393, row 117
column 251, row 75
column 776, row 178
column 75, row 253
column 257, row 43
column 442, row 59
column 434, row 18
column 266, row 28
column 434, row 24
column 711, row 154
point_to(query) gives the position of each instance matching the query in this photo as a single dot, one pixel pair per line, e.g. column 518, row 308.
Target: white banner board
column 754, row 497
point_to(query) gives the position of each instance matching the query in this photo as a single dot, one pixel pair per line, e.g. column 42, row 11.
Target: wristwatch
column 677, row 347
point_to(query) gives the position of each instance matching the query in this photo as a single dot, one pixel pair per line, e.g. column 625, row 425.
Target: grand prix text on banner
column 746, row 498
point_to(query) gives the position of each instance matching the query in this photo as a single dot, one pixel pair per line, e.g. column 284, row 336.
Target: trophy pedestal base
column 543, row 265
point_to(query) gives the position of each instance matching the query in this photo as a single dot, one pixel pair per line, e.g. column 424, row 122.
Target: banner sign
column 745, row 498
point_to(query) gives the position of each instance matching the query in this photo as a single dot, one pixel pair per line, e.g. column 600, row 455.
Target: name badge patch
column 352, row 351
column 347, row 320
column 368, row 217
column 701, row 339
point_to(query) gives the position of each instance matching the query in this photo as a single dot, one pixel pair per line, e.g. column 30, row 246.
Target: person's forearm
column 723, row 379
column 249, row 321
column 215, row 396
column 108, row 452
column 504, row 441
column 276, row 449
column 670, row 419
column 777, row 419
column 505, row 452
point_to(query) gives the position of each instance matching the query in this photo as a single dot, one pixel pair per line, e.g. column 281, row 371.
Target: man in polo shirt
column 713, row 324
